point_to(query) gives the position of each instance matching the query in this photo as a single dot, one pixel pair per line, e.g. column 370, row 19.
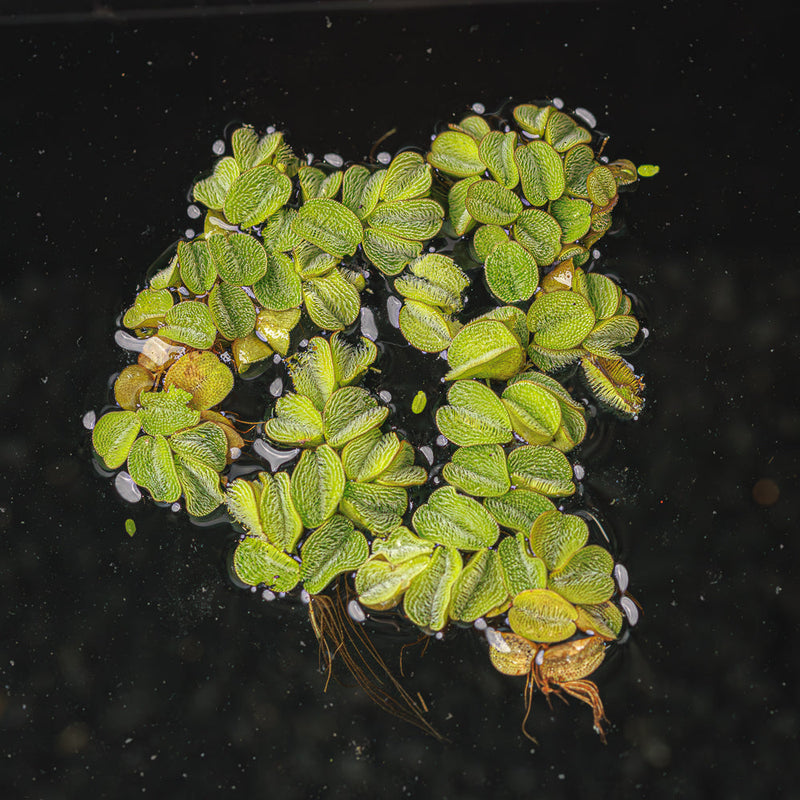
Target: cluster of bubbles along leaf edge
column 288, row 247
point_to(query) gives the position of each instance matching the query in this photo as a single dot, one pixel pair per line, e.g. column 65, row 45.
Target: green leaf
column 532, row 119
column 475, row 416
column 521, row 570
column 361, row 189
column 380, row 584
column 400, row 546
column 197, row 269
column 456, row 154
column 425, row 327
column 578, row 163
column 476, row 126
column 256, row 195
column 150, row 465
column 457, row 213
column 479, row 470
column 484, row 349
column 402, row 471
column 574, row 217
column 167, row 277
column 534, row 413
column 256, row 561
column 601, row 186
column 562, row 132
column 492, row 204
column 609, row 334
column 332, row 549
column 164, row 412
column 240, row 259
column 277, row 235
column 249, row 151
column 280, row 288
column 452, row 519
column 539, row 234
column 389, row 253
column 585, row 577
column 496, row 150
column 367, row 456
column 603, row 294
column 614, row 384
column 332, row 302
column 511, row 273
column 560, row 320
column 378, row 509
column 242, row 500
column 350, row 412
column 330, row 225
column 279, row 518
column 441, row 271
column 297, row 422
column 351, row 359
column 314, row 183
column 428, row 596
column 313, row 372
column 148, row 309
column 213, row 190
column 549, row 360
column 200, row 486
column 424, row 291
column 407, row 177
column 189, row 322
column 540, row 615
column 205, row 443
column 541, row 468
column 231, row 310
column 603, row 618
column 541, row 172
column 479, row 588
column 648, row 170
column 276, row 327
column 249, row 350
column 518, row 509
column 409, row 219
column 555, row 537
column 486, row 238
column 514, row 319
column 203, row 375
column 311, row 262
column 317, row 484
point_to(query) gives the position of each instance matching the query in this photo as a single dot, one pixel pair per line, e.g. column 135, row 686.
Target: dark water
column 132, row 666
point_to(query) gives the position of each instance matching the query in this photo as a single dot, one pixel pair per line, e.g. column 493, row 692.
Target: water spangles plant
column 286, row 249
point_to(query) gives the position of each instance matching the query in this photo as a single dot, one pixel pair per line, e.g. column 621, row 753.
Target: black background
column 131, row 666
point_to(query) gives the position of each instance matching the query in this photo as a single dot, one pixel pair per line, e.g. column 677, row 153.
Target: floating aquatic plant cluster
column 289, row 247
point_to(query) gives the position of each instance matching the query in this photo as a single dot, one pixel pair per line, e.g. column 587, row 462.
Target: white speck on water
column 305, row 597
column 236, row 453
column 218, row 148
column 271, row 129
column 586, row 116
column 368, row 327
column 355, row 611
column 579, row 472
column 539, row 658
column 274, row 457
column 479, row 108
column 304, row 343
column 383, row 157
column 276, row 387
column 393, row 306
column 276, row 359
column 558, row 102
column 268, row 595
column 630, row 610
column 645, row 332
column 496, row 640
column 427, row 452
column 310, row 159
column 385, row 395
column 89, row 420
column 621, row 577
column 439, row 636
column 480, row 624
column 441, row 440
column 127, row 488
column 595, row 254
column 778, row 589
column 175, row 508
column 193, row 212
column 334, row 159
column 189, row 233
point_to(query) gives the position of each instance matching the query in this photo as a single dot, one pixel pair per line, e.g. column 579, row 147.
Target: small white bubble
column 268, row 595
column 558, row 103
column 189, row 233
column 310, row 159
column 621, row 576
column 586, row 116
column 385, row 395
column 595, row 254
column 218, row 148
column 496, row 640
column 193, row 212
column 127, row 488
column 304, row 343
column 479, row 108
column 630, row 610
column 175, row 508
column 579, row 472
column 276, row 387
column 383, row 157
column 427, row 452
column 89, row 420
column 271, row 129
column 480, row 624
column 442, row 440
column 276, row 359
column 355, row 611
column 439, row 636
column 645, row 332
column 539, row 658
column 393, row 306
column 236, row 453
column 334, row 159
column 305, row 597
column 369, row 328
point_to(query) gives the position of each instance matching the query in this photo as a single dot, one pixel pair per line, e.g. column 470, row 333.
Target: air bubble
column 276, row 387
column 334, row 159
column 393, row 306
column 236, row 453
column 127, row 488
column 630, row 610
column 355, row 611
column 586, row 116
column 558, row 103
column 497, row 641
column 189, row 233
column 579, row 472
column 193, row 212
column 385, row 395
column 268, row 595
column 383, row 157
column 369, row 328
column 218, row 148
column 305, row 597
column 480, row 624
column 89, row 420
column 442, row 440
column 479, row 108
column 621, row 577
column 427, row 452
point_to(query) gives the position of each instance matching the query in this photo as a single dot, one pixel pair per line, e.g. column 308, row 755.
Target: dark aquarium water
column 132, row 664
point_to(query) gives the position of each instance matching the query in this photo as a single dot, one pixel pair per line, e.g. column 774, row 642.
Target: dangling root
column 339, row 635
column 585, row 691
